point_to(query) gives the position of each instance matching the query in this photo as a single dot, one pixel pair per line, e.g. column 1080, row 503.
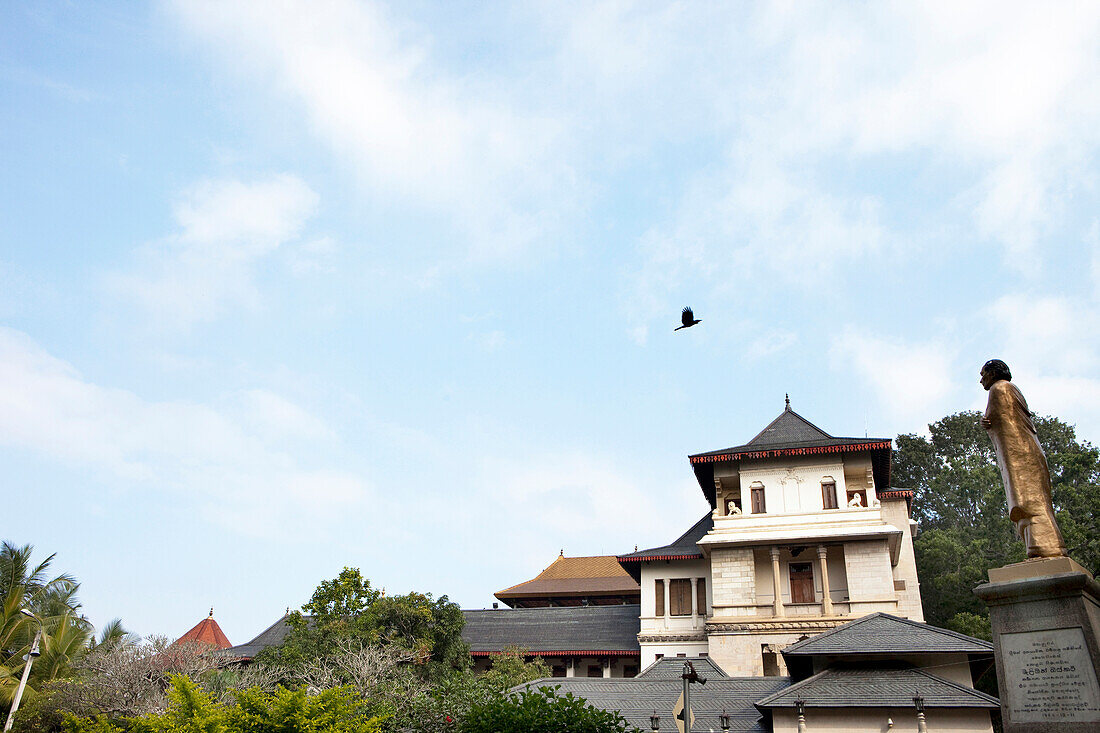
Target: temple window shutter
column 701, row 596
column 659, row 595
column 828, row 493
column 757, row 493
column 679, row 597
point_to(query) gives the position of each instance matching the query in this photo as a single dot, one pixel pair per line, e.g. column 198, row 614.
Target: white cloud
column 414, row 131
column 913, row 380
column 225, row 228
column 230, row 464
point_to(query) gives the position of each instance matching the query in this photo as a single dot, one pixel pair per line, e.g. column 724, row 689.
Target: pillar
column 826, row 601
column 777, row 585
column 695, row 600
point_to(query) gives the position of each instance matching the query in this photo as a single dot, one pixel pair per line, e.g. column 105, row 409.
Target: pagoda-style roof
column 208, row 632
column 672, row 668
column 790, row 434
column 685, row 547
column 571, row 581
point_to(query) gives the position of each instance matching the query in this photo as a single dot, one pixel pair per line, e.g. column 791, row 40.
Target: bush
column 542, row 710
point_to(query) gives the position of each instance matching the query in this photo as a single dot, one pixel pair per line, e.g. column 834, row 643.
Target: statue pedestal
column 1045, row 614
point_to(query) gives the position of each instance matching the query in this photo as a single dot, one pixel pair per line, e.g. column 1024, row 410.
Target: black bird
column 688, row 318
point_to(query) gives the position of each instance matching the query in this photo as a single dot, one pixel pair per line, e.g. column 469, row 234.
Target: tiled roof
column 877, row 687
column 671, row 668
column 881, row 633
column 637, row 698
column 611, row 629
column 685, row 547
column 273, row 635
column 790, row 430
column 576, row 576
column 207, row 631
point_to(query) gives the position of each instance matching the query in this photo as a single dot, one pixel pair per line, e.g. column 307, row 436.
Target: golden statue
column 1022, row 462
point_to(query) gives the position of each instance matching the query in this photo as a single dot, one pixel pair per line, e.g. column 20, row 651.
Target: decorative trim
column 895, row 494
column 785, row 625
column 782, row 452
column 661, row 557
column 669, row 638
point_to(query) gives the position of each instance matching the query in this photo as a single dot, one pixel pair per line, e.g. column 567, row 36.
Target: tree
column 542, row 710
column 960, row 506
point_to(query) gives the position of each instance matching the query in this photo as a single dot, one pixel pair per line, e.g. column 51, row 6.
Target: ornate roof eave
column 566, row 653
column 793, row 451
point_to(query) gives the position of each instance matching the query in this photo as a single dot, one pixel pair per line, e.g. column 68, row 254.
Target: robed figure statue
column 1022, row 462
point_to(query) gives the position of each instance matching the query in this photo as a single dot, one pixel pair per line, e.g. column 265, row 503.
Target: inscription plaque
column 1049, row 677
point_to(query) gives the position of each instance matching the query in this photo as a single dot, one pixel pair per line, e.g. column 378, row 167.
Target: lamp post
column 655, row 722
column 801, row 715
column 918, row 702
column 26, row 669
column 724, row 720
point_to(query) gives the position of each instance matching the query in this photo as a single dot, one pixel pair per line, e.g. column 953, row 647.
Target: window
column 679, row 597
column 659, row 596
column 802, row 582
column 828, row 493
column 595, row 670
column 558, row 670
column 630, row 670
column 658, row 656
column 701, row 596
column 757, row 493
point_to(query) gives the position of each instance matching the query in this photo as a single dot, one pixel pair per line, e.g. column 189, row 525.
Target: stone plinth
column 1046, row 623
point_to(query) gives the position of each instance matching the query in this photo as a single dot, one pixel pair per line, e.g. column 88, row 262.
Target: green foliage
column 191, row 710
column 347, row 608
column 961, row 507
column 542, row 710
column 510, row 669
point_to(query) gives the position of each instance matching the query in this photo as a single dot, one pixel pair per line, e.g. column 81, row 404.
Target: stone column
column 777, row 585
column 570, row 668
column 606, row 667
column 668, row 598
column 826, row 601
column 695, row 601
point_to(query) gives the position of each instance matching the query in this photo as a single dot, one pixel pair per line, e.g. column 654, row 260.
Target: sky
column 292, row 286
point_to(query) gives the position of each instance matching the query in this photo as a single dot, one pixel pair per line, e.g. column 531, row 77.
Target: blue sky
column 291, row 286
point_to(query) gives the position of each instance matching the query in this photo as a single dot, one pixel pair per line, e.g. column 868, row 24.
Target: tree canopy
column 961, row 510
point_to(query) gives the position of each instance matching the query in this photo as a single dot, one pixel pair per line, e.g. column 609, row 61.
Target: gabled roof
column 636, row 699
column 273, row 635
column 608, row 630
column 207, row 631
column 881, row 633
column 790, row 434
column 672, row 668
column 876, row 686
column 576, row 577
column 685, row 547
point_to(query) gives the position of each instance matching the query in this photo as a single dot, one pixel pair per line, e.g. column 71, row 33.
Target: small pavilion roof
column 672, row 668
column 580, row 577
column 882, row 633
column 790, row 434
column 576, row 630
column 877, row 686
column 207, row 631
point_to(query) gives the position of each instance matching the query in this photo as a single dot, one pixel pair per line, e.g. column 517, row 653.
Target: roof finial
column 211, row 612
column 562, row 553
column 787, row 397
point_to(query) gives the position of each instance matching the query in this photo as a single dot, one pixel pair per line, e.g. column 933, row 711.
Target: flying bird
column 688, row 318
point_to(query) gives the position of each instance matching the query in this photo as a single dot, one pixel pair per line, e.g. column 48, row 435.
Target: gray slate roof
column 573, row 629
column 877, row 687
column 671, row 668
column 881, row 633
column 271, row 636
column 790, row 430
column 637, row 698
column 686, row 546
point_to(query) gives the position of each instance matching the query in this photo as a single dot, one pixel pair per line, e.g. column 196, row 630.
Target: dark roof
column 575, row 577
column 877, row 687
column 686, row 547
column 671, row 668
column 881, row 633
column 637, row 698
column 579, row 629
column 273, row 635
column 787, row 435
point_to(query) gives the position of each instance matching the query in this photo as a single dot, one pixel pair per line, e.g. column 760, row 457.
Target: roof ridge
column 785, row 413
column 919, row 625
column 957, row 686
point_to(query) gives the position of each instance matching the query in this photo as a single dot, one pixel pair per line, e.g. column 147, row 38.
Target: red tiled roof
column 207, row 631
